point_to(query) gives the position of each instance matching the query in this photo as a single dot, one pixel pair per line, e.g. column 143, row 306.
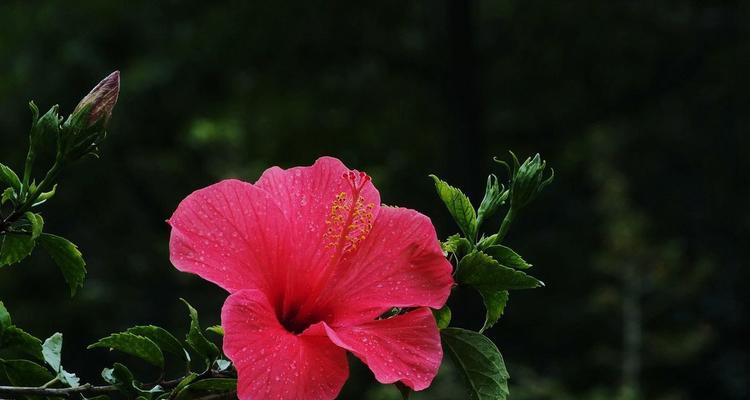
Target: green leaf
column 26, row 373
column 457, row 245
column 506, row 256
column 118, row 375
column 5, row 321
column 165, row 340
column 45, row 196
column 185, row 381
column 68, row 379
column 485, row 242
column 442, row 317
column 8, row 194
column 492, row 280
column 15, row 343
column 459, row 207
column 223, row 365
column 51, row 350
column 37, row 224
column 135, row 345
column 480, row 363
column 14, row 247
column 66, row 255
column 208, row 385
column 494, row 304
column 10, row 178
column 479, row 270
column 197, row 341
column 217, row 329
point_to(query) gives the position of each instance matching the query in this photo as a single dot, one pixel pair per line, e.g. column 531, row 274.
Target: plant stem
column 26, row 206
column 505, row 226
column 50, row 383
column 88, row 389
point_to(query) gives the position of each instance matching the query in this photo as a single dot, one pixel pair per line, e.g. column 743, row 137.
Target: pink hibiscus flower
column 311, row 261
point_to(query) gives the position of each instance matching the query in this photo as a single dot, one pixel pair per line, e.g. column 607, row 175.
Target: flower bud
column 528, row 181
column 494, row 196
column 86, row 127
column 99, row 103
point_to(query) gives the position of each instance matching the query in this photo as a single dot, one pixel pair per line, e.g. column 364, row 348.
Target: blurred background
column 640, row 107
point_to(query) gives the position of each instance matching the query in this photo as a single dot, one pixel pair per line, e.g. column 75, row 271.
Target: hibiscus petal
column 306, row 195
column 404, row 348
column 273, row 363
column 232, row 234
column 400, row 264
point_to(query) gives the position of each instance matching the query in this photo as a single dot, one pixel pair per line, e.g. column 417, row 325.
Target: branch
column 85, row 389
column 91, row 390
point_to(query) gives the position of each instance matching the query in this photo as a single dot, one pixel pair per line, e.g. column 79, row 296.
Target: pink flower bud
column 101, row 100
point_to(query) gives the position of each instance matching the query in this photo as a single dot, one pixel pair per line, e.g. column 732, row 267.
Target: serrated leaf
column 165, row 340
column 456, row 244
column 52, row 349
column 5, row 320
column 208, row 385
column 459, row 207
column 494, row 304
column 10, row 178
column 67, row 257
column 480, row 270
column 14, row 247
column 197, row 341
column 506, row 256
column 118, row 375
column 16, row 343
column 36, row 222
column 135, row 345
column 480, row 363
column 26, row 373
column 442, row 317
column 492, row 280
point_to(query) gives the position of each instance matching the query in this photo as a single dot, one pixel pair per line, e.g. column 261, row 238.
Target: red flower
column 311, row 260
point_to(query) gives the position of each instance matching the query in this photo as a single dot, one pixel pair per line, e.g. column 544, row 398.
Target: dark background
column 641, row 108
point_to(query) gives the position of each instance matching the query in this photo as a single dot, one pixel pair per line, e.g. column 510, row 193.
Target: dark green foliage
column 479, row 361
